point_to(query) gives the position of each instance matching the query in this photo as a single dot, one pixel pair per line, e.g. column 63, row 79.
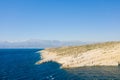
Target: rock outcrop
column 102, row 54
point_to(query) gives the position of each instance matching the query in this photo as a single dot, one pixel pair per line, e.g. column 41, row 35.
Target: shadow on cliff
column 53, row 71
column 96, row 72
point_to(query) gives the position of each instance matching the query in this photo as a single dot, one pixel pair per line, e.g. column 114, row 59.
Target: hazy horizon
column 40, row 44
column 13, row 41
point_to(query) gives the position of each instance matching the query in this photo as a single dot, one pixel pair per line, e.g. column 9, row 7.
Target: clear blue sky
column 84, row 20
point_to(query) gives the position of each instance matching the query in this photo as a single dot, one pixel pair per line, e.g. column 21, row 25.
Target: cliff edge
column 100, row 54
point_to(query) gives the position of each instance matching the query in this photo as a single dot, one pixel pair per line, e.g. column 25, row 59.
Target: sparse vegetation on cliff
column 75, row 50
column 99, row 54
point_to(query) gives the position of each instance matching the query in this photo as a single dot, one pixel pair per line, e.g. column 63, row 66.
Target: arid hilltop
column 99, row 54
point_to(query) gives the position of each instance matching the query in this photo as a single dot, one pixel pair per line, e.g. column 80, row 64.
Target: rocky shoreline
column 109, row 56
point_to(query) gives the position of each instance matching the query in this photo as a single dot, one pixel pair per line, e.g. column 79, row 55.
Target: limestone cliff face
column 104, row 54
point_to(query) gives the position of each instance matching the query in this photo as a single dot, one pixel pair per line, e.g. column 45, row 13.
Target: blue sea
column 19, row 64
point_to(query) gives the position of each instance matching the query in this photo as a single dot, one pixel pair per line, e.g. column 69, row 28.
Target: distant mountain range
column 39, row 44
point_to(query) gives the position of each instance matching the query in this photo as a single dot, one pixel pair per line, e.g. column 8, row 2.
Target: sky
column 84, row 20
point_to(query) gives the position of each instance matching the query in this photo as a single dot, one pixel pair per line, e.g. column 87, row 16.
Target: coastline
column 95, row 57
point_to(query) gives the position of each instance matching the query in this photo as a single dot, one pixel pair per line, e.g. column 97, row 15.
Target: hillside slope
column 100, row 54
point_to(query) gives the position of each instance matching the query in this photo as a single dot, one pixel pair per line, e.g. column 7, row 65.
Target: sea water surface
column 19, row 64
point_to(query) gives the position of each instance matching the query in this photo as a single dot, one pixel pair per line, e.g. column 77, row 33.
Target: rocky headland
column 98, row 54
